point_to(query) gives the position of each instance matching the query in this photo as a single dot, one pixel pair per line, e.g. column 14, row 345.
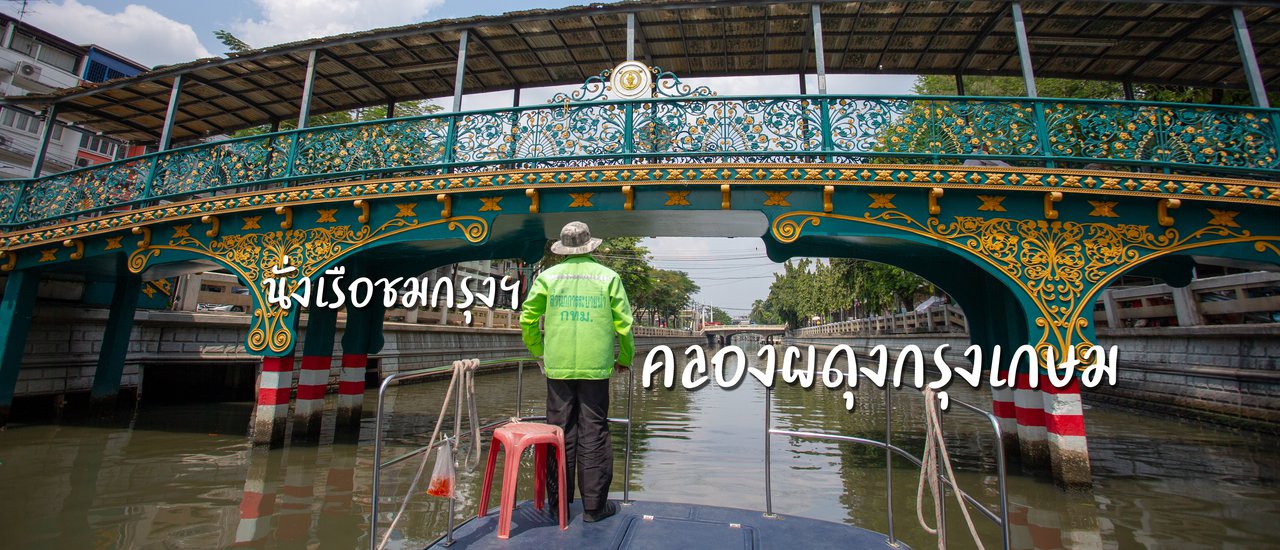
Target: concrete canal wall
column 1224, row 373
column 62, row 348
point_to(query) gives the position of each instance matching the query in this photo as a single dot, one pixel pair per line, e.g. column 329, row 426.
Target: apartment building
column 36, row 61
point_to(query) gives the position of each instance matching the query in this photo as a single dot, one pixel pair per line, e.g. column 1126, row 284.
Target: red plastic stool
column 515, row 437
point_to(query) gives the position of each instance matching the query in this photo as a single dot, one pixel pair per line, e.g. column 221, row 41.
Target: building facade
column 33, row 61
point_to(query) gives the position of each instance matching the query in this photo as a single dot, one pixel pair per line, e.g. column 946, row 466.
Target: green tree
column 1008, row 86
column 668, row 294
column 233, row 44
column 719, row 316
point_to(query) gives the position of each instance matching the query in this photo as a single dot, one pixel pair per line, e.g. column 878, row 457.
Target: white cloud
column 137, row 32
column 291, row 20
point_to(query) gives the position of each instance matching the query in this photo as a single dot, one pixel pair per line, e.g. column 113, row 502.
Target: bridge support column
column 313, row 377
column 272, row 414
column 1029, row 409
column 115, row 341
column 362, row 336
column 15, row 319
column 1064, row 426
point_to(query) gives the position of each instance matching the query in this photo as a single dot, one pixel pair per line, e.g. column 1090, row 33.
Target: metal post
column 768, row 470
column 631, row 37
column 457, row 429
column 818, row 52
column 1024, row 52
column 626, row 466
column 1248, row 57
column 377, row 462
column 888, row 459
column 461, row 71
column 391, row 110
column 46, row 133
column 305, row 109
column 1128, row 91
column 167, row 133
column 1004, row 498
column 959, row 84
column 519, row 389
column 942, row 486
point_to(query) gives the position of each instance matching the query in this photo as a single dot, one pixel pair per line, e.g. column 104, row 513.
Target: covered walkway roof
column 1171, row 42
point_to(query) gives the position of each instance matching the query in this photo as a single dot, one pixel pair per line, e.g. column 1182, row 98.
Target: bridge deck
column 662, row 525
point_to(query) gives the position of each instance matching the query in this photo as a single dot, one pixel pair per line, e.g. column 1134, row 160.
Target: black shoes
column 591, row 516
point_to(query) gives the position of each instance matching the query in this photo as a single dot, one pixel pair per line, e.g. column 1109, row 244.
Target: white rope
column 466, row 368
column 934, row 446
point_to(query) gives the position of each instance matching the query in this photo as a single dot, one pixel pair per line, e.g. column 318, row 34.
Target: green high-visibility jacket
column 585, row 306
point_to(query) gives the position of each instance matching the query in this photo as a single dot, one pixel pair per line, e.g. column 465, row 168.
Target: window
column 99, row 145
column 45, row 53
column 98, row 72
column 26, row 122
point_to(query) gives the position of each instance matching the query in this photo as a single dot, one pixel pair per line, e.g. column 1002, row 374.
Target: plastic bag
column 443, row 478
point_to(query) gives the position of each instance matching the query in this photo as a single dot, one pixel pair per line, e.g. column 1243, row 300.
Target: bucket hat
column 575, row 238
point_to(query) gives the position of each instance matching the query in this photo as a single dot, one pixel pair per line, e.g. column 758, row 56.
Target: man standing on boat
column 585, row 306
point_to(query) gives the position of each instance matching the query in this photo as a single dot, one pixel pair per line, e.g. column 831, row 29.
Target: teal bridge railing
column 1065, row 133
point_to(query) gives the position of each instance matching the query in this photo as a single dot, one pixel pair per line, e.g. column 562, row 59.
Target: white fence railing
column 940, row 318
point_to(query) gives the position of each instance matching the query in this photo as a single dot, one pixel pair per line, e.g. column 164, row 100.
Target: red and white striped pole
column 274, row 386
column 313, row 378
column 1029, row 411
column 1002, row 406
column 351, row 389
column 1064, row 426
column 361, row 337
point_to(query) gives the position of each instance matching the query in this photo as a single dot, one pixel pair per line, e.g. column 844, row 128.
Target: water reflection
column 186, row 477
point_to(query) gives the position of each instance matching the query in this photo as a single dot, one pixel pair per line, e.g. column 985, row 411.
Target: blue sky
column 732, row 272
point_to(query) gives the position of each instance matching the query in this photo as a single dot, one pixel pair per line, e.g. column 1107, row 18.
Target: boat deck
column 661, row 525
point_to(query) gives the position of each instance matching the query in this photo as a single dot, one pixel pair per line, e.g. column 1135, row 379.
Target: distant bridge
column 725, row 332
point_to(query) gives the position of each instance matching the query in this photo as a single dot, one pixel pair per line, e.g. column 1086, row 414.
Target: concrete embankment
column 62, row 348
column 1229, row 374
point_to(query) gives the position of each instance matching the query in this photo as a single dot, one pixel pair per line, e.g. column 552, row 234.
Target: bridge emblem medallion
column 630, row 80
column 253, row 256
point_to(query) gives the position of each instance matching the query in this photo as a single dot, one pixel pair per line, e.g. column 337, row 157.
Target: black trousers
column 581, row 409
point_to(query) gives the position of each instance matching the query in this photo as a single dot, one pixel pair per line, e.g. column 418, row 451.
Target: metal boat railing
column 1001, row 520
column 407, row 376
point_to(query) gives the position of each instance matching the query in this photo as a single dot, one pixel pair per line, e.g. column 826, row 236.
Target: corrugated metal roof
column 1173, row 42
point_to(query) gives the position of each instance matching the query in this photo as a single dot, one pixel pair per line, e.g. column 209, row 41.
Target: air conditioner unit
column 28, row 71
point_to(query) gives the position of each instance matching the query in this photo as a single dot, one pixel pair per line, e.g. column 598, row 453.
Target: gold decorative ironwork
column 777, row 198
column 1104, row 209
column 677, row 198
column 991, row 203
column 881, row 200
column 252, row 256
column 1224, row 218
column 1059, row 265
column 491, row 204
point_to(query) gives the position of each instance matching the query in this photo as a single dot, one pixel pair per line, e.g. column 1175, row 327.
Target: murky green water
column 186, row 477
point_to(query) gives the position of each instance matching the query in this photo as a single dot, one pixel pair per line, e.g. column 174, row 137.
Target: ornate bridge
column 727, row 332
column 1073, row 194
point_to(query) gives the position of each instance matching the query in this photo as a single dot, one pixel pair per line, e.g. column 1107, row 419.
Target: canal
column 185, row 476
